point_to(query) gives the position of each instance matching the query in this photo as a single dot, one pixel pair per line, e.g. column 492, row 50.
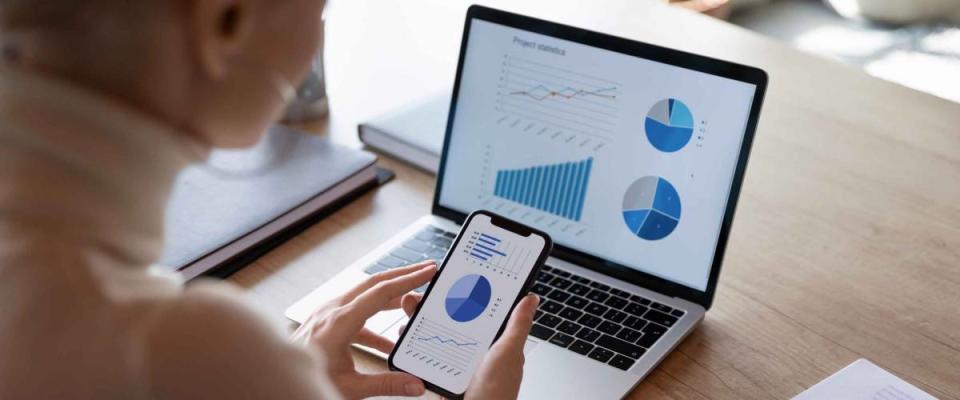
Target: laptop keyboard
column 431, row 243
column 606, row 324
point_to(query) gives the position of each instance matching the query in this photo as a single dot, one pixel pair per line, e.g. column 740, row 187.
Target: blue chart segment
column 669, row 125
column 484, row 248
column 468, row 297
column 651, row 208
column 558, row 189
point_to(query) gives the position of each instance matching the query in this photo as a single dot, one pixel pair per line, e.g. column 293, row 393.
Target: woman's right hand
column 500, row 372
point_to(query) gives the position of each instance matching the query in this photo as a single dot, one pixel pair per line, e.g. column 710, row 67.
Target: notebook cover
column 236, row 192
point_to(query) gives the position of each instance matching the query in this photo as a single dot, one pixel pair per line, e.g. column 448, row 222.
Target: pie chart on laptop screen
column 669, row 125
column 651, row 208
column 468, row 297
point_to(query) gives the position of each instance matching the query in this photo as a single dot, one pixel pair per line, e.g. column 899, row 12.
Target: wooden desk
column 847, row 238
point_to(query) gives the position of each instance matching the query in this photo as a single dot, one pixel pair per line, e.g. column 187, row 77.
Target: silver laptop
column 631, row 156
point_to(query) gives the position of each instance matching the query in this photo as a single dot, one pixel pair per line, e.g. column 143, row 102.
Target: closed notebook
column 413, row 133
column 240, row 200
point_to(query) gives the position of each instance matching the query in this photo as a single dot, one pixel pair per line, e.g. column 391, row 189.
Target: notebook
column 226, row 212
column 413, row 133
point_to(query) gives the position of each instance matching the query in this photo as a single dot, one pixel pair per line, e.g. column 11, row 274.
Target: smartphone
column 490, row 267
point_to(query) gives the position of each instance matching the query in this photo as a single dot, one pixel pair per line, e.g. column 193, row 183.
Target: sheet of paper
column 863, row 380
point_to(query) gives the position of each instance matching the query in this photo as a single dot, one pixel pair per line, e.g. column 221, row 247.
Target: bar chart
column 558, row 189
column 496, row 254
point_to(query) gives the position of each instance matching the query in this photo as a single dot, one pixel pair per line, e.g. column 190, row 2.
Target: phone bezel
column 502, row 222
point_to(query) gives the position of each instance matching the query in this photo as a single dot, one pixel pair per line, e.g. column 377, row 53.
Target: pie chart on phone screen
column 468, row 297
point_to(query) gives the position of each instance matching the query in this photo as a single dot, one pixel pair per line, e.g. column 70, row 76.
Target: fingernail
column 413, row 388
column 536, row 298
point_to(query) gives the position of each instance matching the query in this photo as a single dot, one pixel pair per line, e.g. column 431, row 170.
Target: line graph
column 556, row 102
column 445, row 341
column 440, row 346
column 541, row 92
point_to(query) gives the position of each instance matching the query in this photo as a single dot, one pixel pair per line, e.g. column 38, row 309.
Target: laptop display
column 615, row 156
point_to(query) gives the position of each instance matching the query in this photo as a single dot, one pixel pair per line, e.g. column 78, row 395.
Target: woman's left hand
column 334, row 327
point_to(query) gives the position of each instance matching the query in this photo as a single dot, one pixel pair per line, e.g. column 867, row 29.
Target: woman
column 102, row 103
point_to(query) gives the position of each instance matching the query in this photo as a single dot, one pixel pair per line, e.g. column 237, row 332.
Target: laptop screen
column 619, row 157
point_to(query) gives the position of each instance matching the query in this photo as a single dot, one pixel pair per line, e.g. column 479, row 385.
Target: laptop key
column 544, row 277
column 621, row 362
column 437, row 254
column 374, row 268
column 596, row 309
column 407, row 255
column 558, row 295
column 579, row 289
column 581, row 347
column 677, row 313
column 651, row 333
column 571, row 313
column 571, row 328
column 442, row 242
column 616, row 302
column 549, row 321
column 620, row 346
column 540, row 289
column 588, row 335
column 599, row 286
column 615, row 316
column 577, row 302
column 620, row 293
column 597, row 296
column 561, row 339
column 560, row 283
column 562, row 273
column 602, row 355
column 541, row 332
column 418, row 246
column 634, row 322
column 660, row 318
column 608, row 327
column 636, row 309
column 551, row 307
column 589, row 320
column 537, row 314
column 391, row 262
column 449, row 235
column 425, row 235
column 629, row 335
column 661, row 307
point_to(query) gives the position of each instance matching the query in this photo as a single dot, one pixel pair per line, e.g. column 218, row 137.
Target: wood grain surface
column 846, row 242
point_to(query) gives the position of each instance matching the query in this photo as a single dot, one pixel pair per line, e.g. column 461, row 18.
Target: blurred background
column 915, row 43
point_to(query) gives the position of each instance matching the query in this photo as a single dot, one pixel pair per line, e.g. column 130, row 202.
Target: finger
column 353, row 315
column 372, row 340
column 387, row 384
column 409, row 303
column 518, row 327
column 384, row 276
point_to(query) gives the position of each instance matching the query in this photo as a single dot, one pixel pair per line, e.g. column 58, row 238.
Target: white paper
column 863, row 380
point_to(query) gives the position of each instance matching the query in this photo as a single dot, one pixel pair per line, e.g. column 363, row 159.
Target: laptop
column 631, row 156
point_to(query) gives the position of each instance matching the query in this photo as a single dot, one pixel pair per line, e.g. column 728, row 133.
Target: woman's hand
column 501, row 371
column 338, row 324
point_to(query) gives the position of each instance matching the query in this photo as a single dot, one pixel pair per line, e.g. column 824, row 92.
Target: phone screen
column 478, row 284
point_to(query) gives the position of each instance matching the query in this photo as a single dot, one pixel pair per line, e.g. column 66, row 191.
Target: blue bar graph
column 485, row 246
column 558, row 189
